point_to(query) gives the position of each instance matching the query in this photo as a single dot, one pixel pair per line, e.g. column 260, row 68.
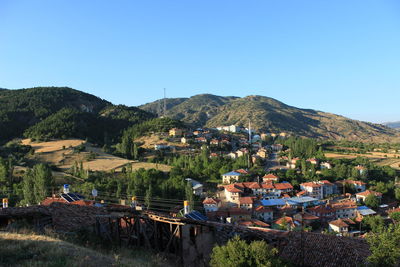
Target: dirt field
column 150, row 141
column 53, row 152
column 380, row 158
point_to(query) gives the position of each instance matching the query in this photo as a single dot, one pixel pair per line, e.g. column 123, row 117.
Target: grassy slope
column 37, row 250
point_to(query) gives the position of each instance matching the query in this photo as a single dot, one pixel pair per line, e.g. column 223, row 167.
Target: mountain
column 24, row 108
column 394, row 125
column 270, row 115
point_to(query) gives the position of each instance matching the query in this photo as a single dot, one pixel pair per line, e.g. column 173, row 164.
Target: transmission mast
column 165, row 105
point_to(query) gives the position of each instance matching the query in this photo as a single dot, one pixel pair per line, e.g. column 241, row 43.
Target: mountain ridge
column 270, row 115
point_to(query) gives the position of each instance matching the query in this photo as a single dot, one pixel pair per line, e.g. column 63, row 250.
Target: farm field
column 61, row 154
column 380, row 158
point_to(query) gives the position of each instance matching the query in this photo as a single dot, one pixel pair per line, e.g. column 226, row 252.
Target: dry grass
column 38, row 250
column 149, row 141
column 380, row 158
column 61, row 154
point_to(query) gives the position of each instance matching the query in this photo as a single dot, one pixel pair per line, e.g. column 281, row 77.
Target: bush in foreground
column 238, row 253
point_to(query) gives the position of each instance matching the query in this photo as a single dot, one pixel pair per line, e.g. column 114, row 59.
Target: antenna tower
column 165, row 105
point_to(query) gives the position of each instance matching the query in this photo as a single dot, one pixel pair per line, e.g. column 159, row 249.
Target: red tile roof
column 311, row 184
column 211, row 201
column 369, row 192
column 267, row 186
column 270, row 176
column 246, row 200
column 261, row 209
column 242, row 171
column 342, row 222
column 233, row 188
column 283, row 186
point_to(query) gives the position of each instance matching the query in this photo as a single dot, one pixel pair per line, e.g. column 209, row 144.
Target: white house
column 340, row 225
column 196, row 186
column 363, row 195
column 313, row 189
column 232, row 193
column 230, row 177
column 345, row 209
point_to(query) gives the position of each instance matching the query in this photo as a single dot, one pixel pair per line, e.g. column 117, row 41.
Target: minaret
column 249, row 132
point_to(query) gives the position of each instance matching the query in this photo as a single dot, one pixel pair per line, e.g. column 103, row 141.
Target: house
column 184, row 140
column 364, row 211
column 233, row 192
column 200, row 140
column 196, row 186
column 361, row 170
column 305, row 201
column 305, row 218
column 341, row 225
column 264, row 214
column 211, row 204
column 242, row 152
column 324, row 212
column 326, row 165
column 230, row 177
column 328, row 188
column 262, row 153
column 254, row 223
column 313, row 161
column 214, row 142
column 246, row 203
column 313, row 189
column 276, row 147
column 237, row 214
column 345, row 209
column 358, row 185
column 287, row 222
column 175, row 132
column 363, row 195
column 284, row 187
column 273, row 202
column 270, row 178
column 232, row 155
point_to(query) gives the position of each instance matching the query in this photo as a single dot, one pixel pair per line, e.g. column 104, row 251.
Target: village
column 269, row 201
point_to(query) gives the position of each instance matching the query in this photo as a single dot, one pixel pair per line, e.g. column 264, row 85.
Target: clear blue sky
column 337, row 56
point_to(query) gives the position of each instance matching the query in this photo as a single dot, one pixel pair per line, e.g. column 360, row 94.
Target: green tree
column 385, row 246
column 148, row 197
column 395, row 216
column 28, row 188
column 237, row 253
column 372, row 201
column 189, row 195
column 42, row 181
column 375, row 223
column 3, row 171
column 397, row 193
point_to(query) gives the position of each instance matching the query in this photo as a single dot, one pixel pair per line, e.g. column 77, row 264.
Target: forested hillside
column 270, row 115
column 62, row 112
